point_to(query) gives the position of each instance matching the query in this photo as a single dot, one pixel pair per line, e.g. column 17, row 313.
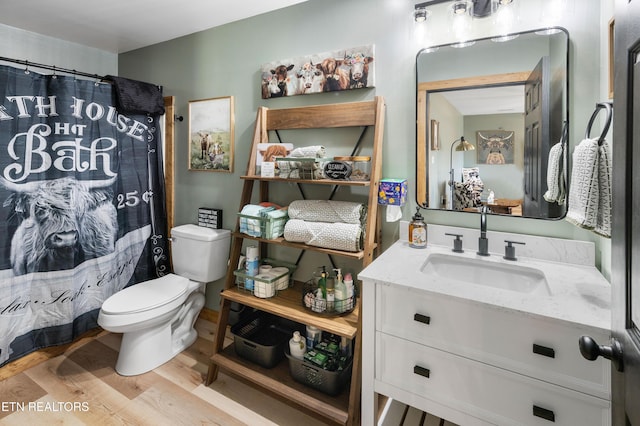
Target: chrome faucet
column 483, row 242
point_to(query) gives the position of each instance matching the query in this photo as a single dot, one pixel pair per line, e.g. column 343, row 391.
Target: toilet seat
column 147, row 295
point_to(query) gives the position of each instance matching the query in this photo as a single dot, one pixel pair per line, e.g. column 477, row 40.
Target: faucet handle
column 457, row 243
column 510, row 250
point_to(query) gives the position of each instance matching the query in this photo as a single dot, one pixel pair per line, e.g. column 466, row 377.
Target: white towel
column 603, row 222
column 590, row 189
column 316, row 151
column 556, row 191
column 339, row 236
column 328, row 211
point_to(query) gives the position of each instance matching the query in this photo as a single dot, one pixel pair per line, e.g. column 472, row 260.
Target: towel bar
column 608, row 106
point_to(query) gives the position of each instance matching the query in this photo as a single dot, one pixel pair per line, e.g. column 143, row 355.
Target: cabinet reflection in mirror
column 509, row 100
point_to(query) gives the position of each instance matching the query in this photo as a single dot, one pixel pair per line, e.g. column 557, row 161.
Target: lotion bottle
column 349, row 299
column 417, row 231
column 297, row 346
column 340, row 293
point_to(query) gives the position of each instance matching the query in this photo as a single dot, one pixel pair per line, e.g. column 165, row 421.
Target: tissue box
column 392, row 192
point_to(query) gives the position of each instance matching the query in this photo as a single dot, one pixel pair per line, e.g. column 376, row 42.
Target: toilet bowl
column 157, row 316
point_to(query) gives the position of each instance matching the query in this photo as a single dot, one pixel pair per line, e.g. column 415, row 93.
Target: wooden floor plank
column 37, row 414
column 257, row 401
column 65, row 381
column 174, row 403
column 16, row 391
column 238, row 411
column 100, row 361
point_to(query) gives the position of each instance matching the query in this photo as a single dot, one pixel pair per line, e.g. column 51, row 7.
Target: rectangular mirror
column 499, row 105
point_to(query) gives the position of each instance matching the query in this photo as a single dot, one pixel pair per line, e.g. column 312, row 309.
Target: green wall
column 226, row 61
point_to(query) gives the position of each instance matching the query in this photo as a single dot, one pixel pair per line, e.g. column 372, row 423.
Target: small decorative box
column 392, row 192
column 210, row 218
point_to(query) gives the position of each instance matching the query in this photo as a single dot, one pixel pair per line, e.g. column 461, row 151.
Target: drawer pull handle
column 421, row 371
column 544, row 351
column 543, row 413
column 422, row 318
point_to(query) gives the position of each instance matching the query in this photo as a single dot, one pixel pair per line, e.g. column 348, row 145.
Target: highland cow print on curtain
column 81, row 206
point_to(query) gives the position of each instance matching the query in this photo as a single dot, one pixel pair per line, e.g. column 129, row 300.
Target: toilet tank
column 200, row 254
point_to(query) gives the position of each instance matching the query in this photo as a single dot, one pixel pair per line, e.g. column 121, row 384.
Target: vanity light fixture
column 420, row 14
column 461, row 145
column 476, row 8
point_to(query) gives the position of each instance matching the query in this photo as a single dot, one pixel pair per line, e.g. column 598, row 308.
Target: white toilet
column 157, row 316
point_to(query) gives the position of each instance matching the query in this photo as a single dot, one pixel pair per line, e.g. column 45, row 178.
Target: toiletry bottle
column 322, row 284
column 297, row 346
column 251, row 266
column 331, row 295
column 349, row 299
column 314, row 336
column 417, row 231
column 340, row 293
column 491, row 198
column 345, row 347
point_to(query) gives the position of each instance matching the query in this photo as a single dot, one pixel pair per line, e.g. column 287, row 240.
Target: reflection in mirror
column 487, row 118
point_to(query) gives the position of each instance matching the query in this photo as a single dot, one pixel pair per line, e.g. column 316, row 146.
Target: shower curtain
column 81, row 206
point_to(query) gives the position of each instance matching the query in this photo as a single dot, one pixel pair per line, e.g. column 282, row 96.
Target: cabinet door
column 492, row 394
column 540, row 348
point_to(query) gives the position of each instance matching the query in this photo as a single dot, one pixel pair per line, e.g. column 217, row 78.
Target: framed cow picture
column 344, row 69
column 211, row 134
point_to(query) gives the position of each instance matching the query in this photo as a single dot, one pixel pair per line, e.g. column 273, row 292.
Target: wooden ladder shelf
column 345, row 408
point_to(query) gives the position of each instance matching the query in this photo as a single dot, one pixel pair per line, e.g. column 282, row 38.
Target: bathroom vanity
column 482, row 340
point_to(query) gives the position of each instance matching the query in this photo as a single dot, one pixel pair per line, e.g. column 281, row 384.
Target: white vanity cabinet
column 498, row 367
column 474, row 361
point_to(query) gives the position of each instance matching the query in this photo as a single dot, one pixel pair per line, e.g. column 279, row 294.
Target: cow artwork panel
column 344, row 69
column 63, row 223
column 211, row 133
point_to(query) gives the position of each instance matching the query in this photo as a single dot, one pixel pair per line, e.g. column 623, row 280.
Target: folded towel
column 137, row 97
column 251, row 226
column 338, row 236
column 603, row 221
column 328, row 211
column 316, row 151
column 590, row 189
column 556, row 191
column 273, row 227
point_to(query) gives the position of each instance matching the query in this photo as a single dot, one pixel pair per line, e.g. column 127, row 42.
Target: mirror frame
column 423, row 89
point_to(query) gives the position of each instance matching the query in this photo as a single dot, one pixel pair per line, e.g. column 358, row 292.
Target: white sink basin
column 504, row 276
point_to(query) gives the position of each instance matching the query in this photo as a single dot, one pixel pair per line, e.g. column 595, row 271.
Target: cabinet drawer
column 541, row 348
column 492, row 394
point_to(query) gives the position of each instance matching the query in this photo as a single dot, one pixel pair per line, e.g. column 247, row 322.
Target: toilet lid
column 146, row 295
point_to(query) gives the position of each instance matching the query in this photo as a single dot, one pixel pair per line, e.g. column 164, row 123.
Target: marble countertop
column 579, row 294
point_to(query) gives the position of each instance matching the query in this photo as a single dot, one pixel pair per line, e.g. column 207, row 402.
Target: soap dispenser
column 417, row 231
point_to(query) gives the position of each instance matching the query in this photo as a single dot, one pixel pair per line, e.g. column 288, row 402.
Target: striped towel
column 556, row 191
column 590, row 190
